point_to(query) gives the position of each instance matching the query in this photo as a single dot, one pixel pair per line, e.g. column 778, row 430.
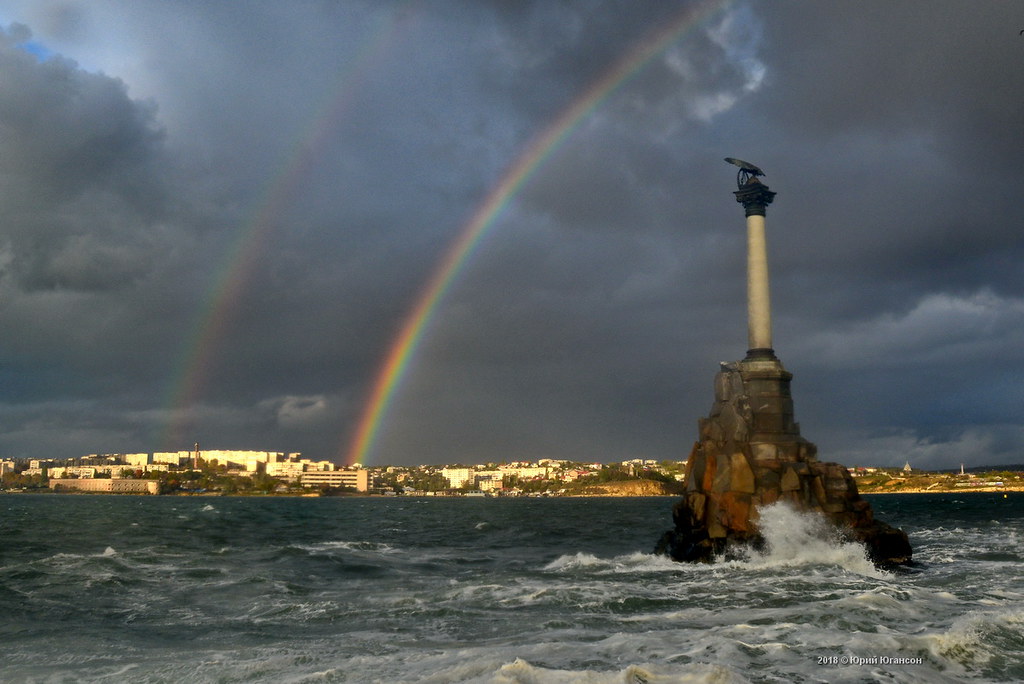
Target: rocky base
column 691, row 541
column 751, row 455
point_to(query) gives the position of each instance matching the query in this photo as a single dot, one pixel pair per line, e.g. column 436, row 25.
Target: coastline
column 946, row 490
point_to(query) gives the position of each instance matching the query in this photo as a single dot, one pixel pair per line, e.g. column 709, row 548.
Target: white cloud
column 297, row 412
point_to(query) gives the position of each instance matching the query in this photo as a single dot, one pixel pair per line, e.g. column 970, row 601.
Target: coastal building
column 138, row 459
column 525, row 472
column 174, row 458
column 358, row 479
column 72, row 471
column 489, row 480
column 292, row 470
column 112, row 485
column 458, row 477
column 249, row 461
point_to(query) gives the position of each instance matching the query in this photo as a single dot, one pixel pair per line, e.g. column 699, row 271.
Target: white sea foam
column 977, row 637
column 377, row 547
column 522, row 672
column 628, row 563
column 796, row 538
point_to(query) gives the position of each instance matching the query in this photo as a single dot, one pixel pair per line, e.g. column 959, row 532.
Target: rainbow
column 541, row 148
column 195, row 365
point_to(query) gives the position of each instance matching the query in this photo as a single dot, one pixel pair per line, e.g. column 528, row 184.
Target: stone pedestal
column 751, row 454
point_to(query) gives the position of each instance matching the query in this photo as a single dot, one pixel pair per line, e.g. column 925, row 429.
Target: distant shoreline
column 947, row 490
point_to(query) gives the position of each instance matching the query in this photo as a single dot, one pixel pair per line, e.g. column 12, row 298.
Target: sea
column 107, row 588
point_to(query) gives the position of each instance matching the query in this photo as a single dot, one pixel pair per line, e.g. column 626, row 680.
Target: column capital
column 754, row 196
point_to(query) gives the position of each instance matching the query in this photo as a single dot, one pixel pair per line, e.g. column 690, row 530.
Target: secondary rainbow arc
column 194, row 366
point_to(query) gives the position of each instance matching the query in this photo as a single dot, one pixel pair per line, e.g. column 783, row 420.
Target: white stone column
column 755, row 198
column 759, row 310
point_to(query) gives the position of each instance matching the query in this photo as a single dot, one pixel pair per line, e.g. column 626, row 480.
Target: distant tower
column 195, row 457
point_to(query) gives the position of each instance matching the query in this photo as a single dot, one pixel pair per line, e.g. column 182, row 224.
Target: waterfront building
column 112, row 485
column 458, row 477
column 489, row 480
column 138, row 459
column 359, row 479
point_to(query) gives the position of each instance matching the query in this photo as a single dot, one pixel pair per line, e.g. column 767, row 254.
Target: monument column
column 755, row 198
column 750, row 453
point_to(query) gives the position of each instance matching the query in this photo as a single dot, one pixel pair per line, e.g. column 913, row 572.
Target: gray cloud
column 276, row 186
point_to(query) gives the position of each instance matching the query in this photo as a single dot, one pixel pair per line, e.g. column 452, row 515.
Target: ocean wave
column 992, row 642
column 522, row 672
column 793, row 539
column 628, row 563
column 331, row 546
column 797, row 538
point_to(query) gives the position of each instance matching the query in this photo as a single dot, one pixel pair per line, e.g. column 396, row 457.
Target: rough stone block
column 764, row 451
column 711, row 430
column 742, row 475
column 769, row 495
column 697, row 505
column 790, row 480
column 709, row 472
column 835, row 486
column 789, row 451
column 735, row 511
column 768, row 478
column 818, row 489
column 723, row 474
column 723, row 386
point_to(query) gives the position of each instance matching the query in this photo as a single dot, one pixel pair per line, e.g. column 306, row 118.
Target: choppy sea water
column 175, row 589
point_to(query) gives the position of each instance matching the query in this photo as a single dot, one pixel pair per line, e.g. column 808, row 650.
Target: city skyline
column 504, row 233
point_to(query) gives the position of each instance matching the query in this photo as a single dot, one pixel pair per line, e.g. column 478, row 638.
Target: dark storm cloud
column 143, row 144
column 76, row 153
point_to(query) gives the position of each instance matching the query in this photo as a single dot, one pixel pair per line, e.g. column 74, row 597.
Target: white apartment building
column 358, row 479
column 292, row 470
column 458, row 477
column 174, row 458
column 114, row 485
column 250, row 461
column 68, row 471
column 525, row 472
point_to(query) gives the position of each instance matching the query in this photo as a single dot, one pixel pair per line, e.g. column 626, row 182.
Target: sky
column 469, row 231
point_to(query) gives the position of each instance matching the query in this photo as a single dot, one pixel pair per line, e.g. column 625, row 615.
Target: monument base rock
column 751, row 455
